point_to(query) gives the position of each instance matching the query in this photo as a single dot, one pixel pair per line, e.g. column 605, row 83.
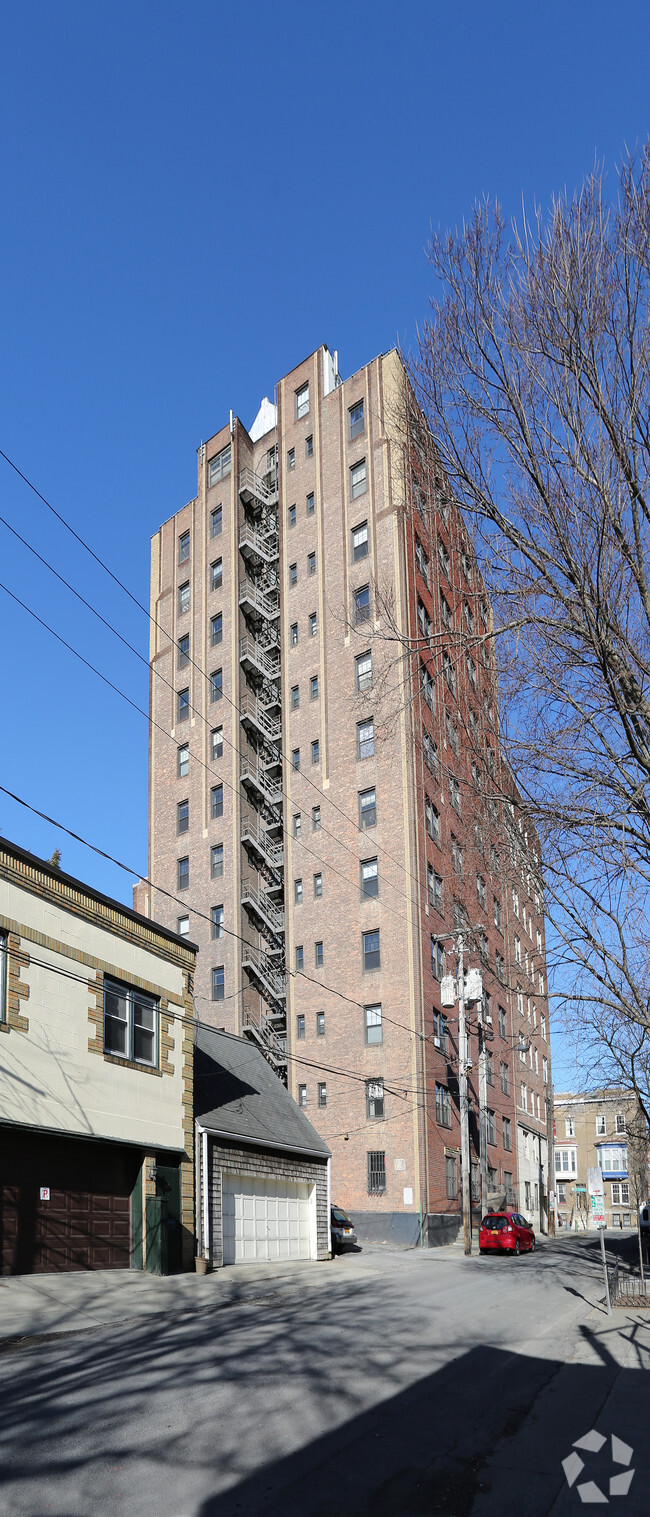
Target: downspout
column 205, row 1195
column 329, row 1206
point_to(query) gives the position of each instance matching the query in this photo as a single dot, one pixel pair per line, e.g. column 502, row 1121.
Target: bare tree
column 533, row 372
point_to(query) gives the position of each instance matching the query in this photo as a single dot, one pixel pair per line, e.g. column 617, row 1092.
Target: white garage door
column 264, row 1219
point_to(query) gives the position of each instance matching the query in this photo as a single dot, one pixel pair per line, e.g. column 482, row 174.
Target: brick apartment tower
column 331, row 801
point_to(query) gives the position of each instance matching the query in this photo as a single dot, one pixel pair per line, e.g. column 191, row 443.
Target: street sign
column 595, row 1182
column 597, row 1211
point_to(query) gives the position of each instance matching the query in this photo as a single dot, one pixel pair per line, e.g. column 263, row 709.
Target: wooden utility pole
column 466, row 1172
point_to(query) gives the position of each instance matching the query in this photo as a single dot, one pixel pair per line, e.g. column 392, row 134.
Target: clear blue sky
column 193, row 198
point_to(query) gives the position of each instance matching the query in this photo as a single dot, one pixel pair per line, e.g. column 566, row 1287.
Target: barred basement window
column 130, row 1023
column 376, row 1173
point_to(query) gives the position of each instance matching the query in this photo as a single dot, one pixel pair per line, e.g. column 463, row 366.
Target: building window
column 440, row 1032
column 313, row 624
column 621, row 1193
column 613, row 1160
column 524, row 1097
column 310, row 504
column 313, row 687
column 183, row 760
column 293, row 574
column 216, row 521
column 182, row 705
column 449, row 671
column 369, row 878
column 295, row 758
column 374, row 1099
column 432, row 819
column 216, row 574
column 297, row 824
column 309, row 446
column 320, row 1024
column 216, row 861
column 505, row 1086
column 183, row 650
column 451, row 1177
column 500, row 967
column 565, row 1161
column 471, row 669
column 295, row 697
column 434, row 882
column 318, row 886
column 422, row 561
column 497, row 912
column 355, row 415
column 318, row 955
column 601, row 1125
column 437, row 958
column 520, row 1000
column 428, row 686
column 183, row 547
column 371, row 956
column 216, row 921
column 297, row 892
column 367, row 808
column 311, row 563
column 219, row 466
column 502, row 1023
column 183, row 816
column 456, row 856
column 182, row 927
column 365, row 739
column 506, row 1133
column 481, row 891
column 454, row 793
column 216, row 743
column 452, row 734
column 443, row 1106
column 373, row 1024
column 293, row 634
column 315, row 751
column 490, row 1126
column 376, row 1173
column 424, row 621
column 291, row 458
column 362, row 604
column 130, row 1024
column 363, row 671
column 216, row 801
column 360, row 541
column 302, row 1095
column 315, row 818
column 302, row 401
column 569, row 1127
column 430, row 751
column 292, row 516
column 446, row 614
column 300, row 957
column 182, row 873
column 216, row 685
column 184, row 597
column 218, row 983
column 322, row 1093
column 443, row 557
column 216, row 629
column 300, row 1027
column 358, row 479
column 620, row 1122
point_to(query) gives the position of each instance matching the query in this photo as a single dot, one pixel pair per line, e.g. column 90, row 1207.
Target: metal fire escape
column 264, row 1012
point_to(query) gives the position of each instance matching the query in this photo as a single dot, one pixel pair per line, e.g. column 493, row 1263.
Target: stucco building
column 96, row 1128
column 328, row 804
column 600, row 1129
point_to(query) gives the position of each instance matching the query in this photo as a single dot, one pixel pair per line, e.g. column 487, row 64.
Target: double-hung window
column 367, row 808
column 130, row 1023
column 443, row 1106
column 373, row 1024
column 362, row 604
column 218, row 983
column 369, row 878
column 365, row 739
column 216, row 919
column 360, row 541
column 216, row 743
column 219, row 467
column 184, row 597
column 183, row 547
column 183, row 650
column 216, row 629
column 374, row 1099
column 216, row 521
column 216, row 574
column 216, row 801
column 358, row 479
column 355, row 414
column 371, row 954
column 302, row 401
column 216, row 685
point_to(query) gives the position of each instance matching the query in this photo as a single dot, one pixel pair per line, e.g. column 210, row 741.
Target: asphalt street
column 398, row 1383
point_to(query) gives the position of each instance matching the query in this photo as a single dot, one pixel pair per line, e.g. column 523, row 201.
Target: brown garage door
column 86, row 1221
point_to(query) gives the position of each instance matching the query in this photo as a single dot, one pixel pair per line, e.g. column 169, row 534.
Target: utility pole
column 482, row 1109
column 466, row 1173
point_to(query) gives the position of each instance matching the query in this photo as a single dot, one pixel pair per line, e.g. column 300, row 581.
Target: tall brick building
column 331, row 801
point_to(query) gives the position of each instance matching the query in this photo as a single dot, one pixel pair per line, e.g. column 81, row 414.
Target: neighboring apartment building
column 96, row 1134
column 603, row 1129
column 328, row 809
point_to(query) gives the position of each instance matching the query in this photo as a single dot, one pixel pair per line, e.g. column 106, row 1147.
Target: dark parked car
column 507, row 1231
column 342, row 1230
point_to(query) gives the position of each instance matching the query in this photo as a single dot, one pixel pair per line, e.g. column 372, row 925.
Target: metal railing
column 251, row 484
column 270, row 789
column 263, row 904
column 266, row 544
column 273, row 1044
column 265, row 601
column 272, row 851
column 258, row 964
column 251, row 708
column 252, row 649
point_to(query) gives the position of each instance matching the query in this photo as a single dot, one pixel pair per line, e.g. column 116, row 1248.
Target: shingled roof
column 237, row 1094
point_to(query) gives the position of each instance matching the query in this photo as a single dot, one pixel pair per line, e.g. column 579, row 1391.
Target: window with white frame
column 360, row 541
column 566, row 1161
column 373, row 1024
column 601, row 1125
column 569, row 1127
column 613, row 1160
column 620, row 1122
column 620, row 1193
column 358, row 479
column 130, row 1023
column 219, row 467
column 302, row 401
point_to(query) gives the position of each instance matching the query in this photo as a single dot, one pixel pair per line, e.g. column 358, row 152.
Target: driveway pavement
column 383, row 1383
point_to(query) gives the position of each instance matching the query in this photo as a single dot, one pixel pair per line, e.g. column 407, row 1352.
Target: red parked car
column 505, row 1230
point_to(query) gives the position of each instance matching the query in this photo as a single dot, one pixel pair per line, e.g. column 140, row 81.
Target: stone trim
column 82, row 903
column 16, row 989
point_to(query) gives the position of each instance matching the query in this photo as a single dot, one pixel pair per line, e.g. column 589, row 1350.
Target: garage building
column 262, row 1171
